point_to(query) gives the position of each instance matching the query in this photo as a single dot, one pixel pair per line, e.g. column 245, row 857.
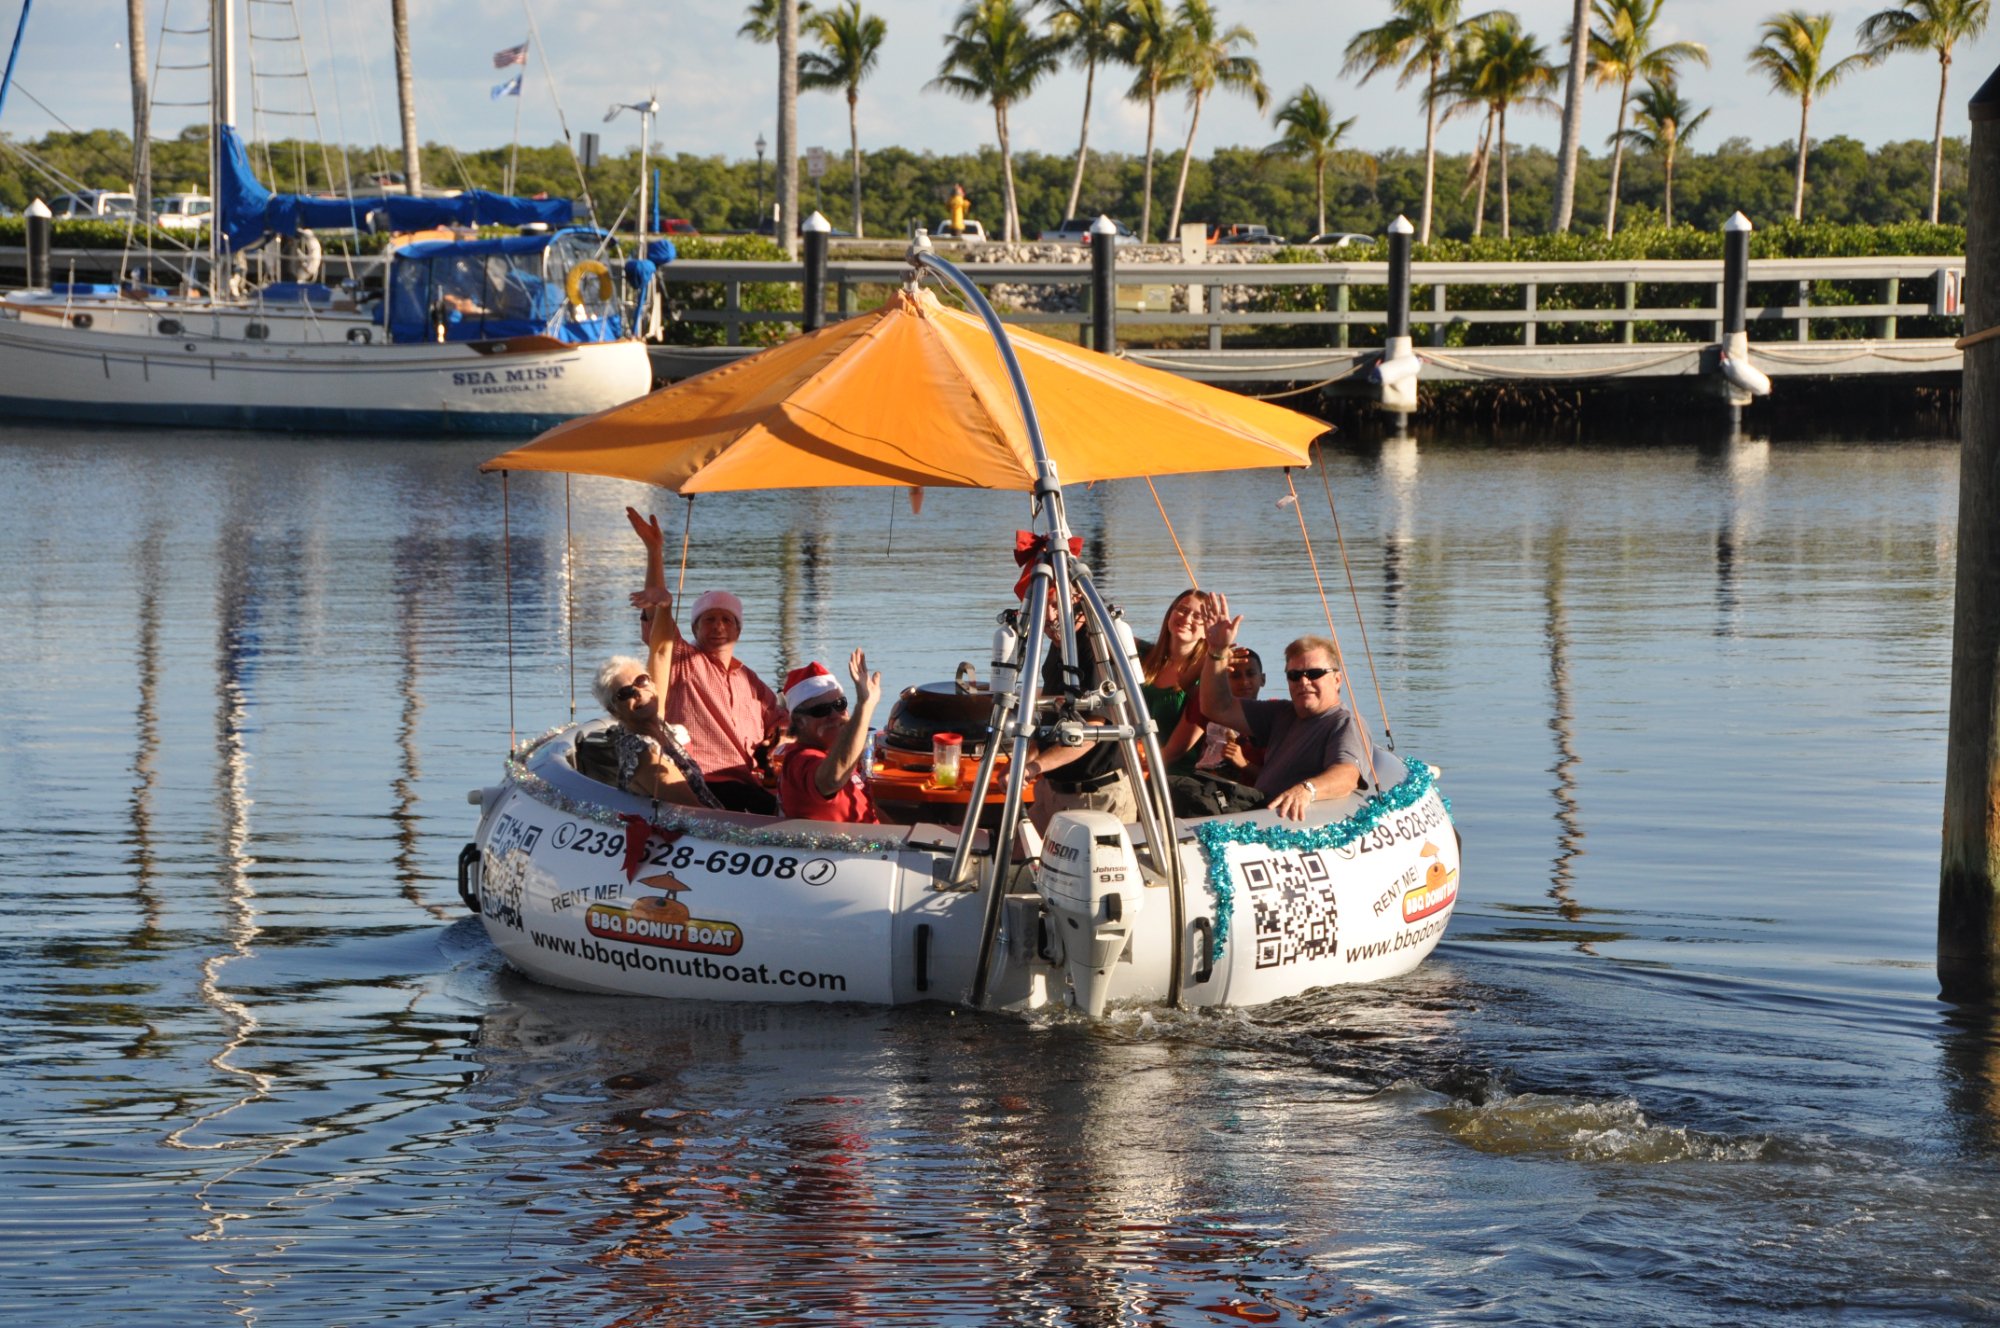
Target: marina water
column 1678, row 1061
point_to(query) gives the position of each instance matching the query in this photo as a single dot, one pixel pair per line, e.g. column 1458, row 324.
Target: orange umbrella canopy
column 917, row 393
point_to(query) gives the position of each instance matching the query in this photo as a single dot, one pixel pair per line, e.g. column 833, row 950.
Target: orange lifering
column 589, row 267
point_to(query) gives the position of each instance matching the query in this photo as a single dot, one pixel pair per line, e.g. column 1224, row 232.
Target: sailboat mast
column 222, row 111
column 142, row 117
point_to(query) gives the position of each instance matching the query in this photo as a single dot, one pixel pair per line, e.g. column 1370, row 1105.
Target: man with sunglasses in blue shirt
column 1314, row 749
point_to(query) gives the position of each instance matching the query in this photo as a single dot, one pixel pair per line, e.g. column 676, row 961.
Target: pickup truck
column 969, row 232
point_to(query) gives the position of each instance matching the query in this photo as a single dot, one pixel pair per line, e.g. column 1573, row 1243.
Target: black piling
column 815, row 231
column 41, row 243
column 1104, row 285
column 1735, row 276
column 1968, row 907
column 1401, row 233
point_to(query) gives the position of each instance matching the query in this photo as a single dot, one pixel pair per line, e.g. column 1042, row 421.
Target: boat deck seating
column 589, row 755
column 585, row 754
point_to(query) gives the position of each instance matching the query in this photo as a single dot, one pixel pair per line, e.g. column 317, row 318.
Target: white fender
column 1744, row 375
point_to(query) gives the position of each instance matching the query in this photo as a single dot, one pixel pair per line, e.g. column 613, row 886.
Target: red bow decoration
column 1029, row 547
column 639, row 836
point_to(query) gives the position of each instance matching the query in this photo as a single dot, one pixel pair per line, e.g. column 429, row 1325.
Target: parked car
column 182, row 212
column 1240, row 233
column 677, row 226
column 1077, row 231
column 970, row 232
column 1342, row 239
column 94, row 203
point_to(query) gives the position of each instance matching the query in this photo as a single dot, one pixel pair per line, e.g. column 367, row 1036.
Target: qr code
column 1291, row 908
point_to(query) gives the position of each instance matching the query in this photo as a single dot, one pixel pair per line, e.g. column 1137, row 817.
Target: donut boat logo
column 1438, row 892
column 662, row 920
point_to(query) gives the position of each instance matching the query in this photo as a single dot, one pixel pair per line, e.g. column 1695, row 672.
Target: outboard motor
column 1091, row 891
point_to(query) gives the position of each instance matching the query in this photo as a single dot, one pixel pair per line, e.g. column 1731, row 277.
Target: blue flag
column 511, row 88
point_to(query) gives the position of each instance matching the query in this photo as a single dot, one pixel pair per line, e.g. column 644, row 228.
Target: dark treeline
column 1848, row 183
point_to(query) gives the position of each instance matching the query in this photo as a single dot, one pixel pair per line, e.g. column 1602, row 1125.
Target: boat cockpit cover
column 247, row 211
column 917, row 393
column 511, row 286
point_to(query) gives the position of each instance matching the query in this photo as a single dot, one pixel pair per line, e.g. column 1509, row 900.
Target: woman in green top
column 1171, row 672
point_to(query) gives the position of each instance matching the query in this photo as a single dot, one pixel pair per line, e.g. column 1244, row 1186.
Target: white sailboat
column 503, row 336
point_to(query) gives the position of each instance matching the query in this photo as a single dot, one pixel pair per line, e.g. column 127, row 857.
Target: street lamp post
column 761, row 145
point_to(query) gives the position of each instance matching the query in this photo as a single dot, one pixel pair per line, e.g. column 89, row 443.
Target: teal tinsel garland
column 1215, row 837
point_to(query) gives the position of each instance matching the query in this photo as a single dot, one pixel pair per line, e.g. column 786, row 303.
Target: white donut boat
column 1240, row 909
column 730, row 906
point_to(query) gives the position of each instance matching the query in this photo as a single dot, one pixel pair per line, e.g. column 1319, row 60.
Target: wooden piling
column 1968, row 961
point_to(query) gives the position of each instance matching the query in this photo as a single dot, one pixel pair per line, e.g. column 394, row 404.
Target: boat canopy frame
column 1056, row 570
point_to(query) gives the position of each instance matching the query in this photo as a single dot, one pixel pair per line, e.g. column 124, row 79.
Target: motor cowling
column 1091, row 891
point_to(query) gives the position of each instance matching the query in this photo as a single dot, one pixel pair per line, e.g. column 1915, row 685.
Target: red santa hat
column 803, row 686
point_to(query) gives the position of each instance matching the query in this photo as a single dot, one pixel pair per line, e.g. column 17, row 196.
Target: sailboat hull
column 55, row 370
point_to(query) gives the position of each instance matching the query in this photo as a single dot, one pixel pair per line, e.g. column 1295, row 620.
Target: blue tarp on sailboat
column 246, row 211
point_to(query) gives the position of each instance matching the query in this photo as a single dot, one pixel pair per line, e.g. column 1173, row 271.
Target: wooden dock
column 1830, row 318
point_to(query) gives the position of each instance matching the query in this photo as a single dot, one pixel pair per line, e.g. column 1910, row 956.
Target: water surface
column 1679, row 1059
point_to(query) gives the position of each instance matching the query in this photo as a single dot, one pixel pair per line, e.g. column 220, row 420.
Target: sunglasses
column 822, row 710
column 1301, row 675
column 631, row 689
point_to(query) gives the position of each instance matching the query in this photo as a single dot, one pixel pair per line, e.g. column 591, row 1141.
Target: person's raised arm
column 1217, row 700
column 852, row 740
column 662, row 639
column 648, row 530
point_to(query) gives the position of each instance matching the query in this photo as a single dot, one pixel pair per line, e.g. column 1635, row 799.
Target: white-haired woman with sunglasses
column 651, row 761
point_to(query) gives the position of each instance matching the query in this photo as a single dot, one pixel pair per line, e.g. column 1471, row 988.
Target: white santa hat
column 803, row 686
column 718, row 599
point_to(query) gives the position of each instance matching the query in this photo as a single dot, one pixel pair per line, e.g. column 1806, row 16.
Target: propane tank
column 1006, row 652
column 1126, row 642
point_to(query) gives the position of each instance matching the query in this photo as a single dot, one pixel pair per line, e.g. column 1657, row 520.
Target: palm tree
column 1209, row 61
column 1572, row 128
column 406, row 97
column 1499, row 66
column 1663, row 122
column 1621, row 49
column 1926, row 25
column 768, row 22
column 1792, row 54
column 994, row 54
column 1310, row 134
column 1417, row 39
column 850, row 41
column 1152, row 47
column 762, row 17
column 1091, row 31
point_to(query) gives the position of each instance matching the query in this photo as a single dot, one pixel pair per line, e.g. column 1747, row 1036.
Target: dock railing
column 1305, row 322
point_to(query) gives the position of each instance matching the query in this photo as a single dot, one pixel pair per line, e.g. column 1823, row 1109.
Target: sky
column 717, row 91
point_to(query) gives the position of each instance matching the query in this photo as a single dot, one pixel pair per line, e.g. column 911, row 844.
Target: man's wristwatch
column 1312, row 793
